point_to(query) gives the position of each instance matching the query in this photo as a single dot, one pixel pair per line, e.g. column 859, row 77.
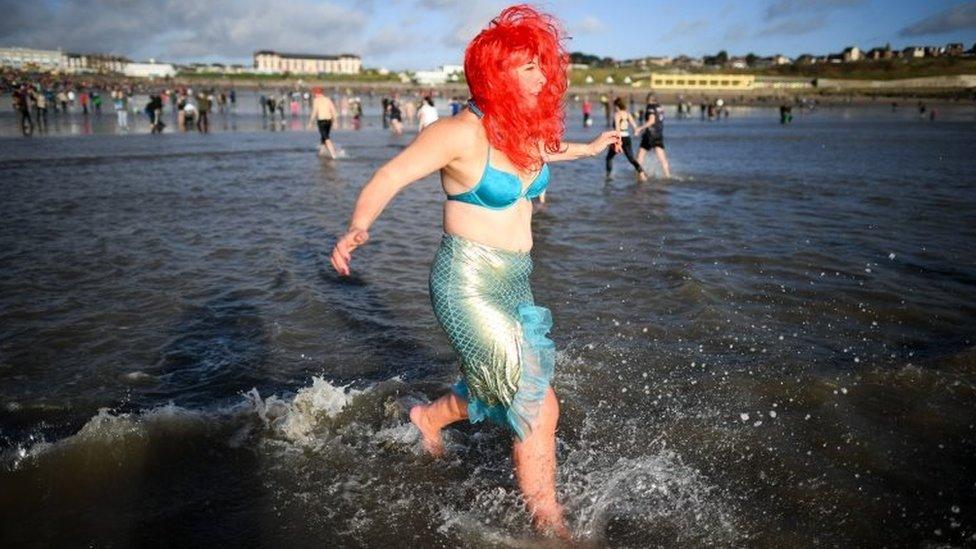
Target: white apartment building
column 272, row 62
column 26, row 58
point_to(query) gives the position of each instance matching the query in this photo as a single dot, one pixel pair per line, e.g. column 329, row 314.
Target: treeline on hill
column 578, row 57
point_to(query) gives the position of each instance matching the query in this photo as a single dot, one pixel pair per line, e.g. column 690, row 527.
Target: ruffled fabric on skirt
column 538, row 359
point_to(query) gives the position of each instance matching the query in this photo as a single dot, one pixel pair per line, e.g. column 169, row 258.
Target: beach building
column 913, row 52
column 738, row 62
column 852, row 53
column 30, row 59
column 152, row 69
column 876, row 54
column 441, row 75
column 954, row 49
column 697, row 82
column 86, row 63
column 272, row 62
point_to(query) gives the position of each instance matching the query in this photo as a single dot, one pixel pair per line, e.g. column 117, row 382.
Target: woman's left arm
column 574, row 151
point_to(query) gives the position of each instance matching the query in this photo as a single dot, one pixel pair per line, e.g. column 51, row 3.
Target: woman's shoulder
column 463, row 128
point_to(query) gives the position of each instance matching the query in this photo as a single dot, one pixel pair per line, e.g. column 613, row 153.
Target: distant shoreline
column 835, row 92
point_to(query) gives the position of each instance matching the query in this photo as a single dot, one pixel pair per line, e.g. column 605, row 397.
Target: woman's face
column 530, row 78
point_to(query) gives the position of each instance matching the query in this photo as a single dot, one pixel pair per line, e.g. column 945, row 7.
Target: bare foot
column 641, row 176
column 551, row 522
column 432, row 438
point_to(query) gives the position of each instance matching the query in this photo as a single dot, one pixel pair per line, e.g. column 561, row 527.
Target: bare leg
column 663, row 158
column 535, row 469
column 431, row 418
column 331, row 147
column 641, row 153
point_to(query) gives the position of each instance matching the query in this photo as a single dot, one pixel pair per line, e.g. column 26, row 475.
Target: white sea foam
column 296, row 419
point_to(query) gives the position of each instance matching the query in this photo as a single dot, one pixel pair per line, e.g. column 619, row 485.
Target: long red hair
column 514, row 126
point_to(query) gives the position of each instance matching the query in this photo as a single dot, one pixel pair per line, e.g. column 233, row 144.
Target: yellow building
column 301, row 63
column 705, row 81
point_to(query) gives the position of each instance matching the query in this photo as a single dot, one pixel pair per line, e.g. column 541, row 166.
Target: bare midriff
column 509, row 229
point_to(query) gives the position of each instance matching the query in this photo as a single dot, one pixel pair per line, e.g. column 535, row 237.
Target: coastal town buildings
column 272, row 62
column 29, row 58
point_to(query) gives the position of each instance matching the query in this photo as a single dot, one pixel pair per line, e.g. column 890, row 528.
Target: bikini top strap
column 474, row 108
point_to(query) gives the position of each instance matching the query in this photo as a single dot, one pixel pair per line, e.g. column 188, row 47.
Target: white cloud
column 959, row 17
column 588, row 25
column 183, row 29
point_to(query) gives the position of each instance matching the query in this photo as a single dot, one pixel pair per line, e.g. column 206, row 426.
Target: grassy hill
column 871, row 70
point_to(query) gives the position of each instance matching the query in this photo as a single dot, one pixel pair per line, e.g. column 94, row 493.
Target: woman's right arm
column 435, row 147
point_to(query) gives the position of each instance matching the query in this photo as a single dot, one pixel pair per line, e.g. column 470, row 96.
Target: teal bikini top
column 498, row 189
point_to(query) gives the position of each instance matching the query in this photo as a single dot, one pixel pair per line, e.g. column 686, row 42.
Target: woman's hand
column 342, row 252
column 604, row 140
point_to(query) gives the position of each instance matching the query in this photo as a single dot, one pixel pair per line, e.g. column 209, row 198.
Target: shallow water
column 775, row 347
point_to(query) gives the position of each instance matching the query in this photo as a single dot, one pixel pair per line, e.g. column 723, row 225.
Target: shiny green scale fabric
column 482, row 299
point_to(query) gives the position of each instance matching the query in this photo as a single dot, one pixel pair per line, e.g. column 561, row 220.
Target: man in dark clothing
column 652, row 138
column 154, row 110
column 23, row 111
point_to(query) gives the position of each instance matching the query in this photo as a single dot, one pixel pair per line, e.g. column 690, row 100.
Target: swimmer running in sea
column 323, row 113
column 493, row 158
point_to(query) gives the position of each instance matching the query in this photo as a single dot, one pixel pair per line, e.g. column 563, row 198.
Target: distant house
column 645, row 61
column 913, row 52
column 877, row 54
column 441, row 75
column 806, row 59
column 685, row 61
column 781, row 60
column 851, row 54
column 738, row 63
column 934, row 51
column 955, row 49
column 834, row 58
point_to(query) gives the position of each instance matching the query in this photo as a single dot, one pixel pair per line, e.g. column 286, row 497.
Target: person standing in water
column 21, row 106
column 427, row 114
column 493, row 158
column 652, row 136
column 396, row 119
column 121, row 101
column 323, row 113
column 203, row 112
column 623, row 122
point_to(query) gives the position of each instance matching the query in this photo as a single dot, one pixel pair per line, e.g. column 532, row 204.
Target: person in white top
column 427, row 114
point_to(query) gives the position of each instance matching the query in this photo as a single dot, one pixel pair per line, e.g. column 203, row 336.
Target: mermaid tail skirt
column 482, row 299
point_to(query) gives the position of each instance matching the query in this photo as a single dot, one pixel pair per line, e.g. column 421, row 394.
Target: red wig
column 514, row 125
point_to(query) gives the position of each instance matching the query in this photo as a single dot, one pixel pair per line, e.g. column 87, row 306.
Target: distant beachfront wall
column 696, row 82
column 271, row 62
column 961, row 81
column 26, row 58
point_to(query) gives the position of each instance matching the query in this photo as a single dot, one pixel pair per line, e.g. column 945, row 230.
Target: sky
column 422, row 34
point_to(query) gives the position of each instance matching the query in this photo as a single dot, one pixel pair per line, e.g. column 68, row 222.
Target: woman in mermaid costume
column 493, row 159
